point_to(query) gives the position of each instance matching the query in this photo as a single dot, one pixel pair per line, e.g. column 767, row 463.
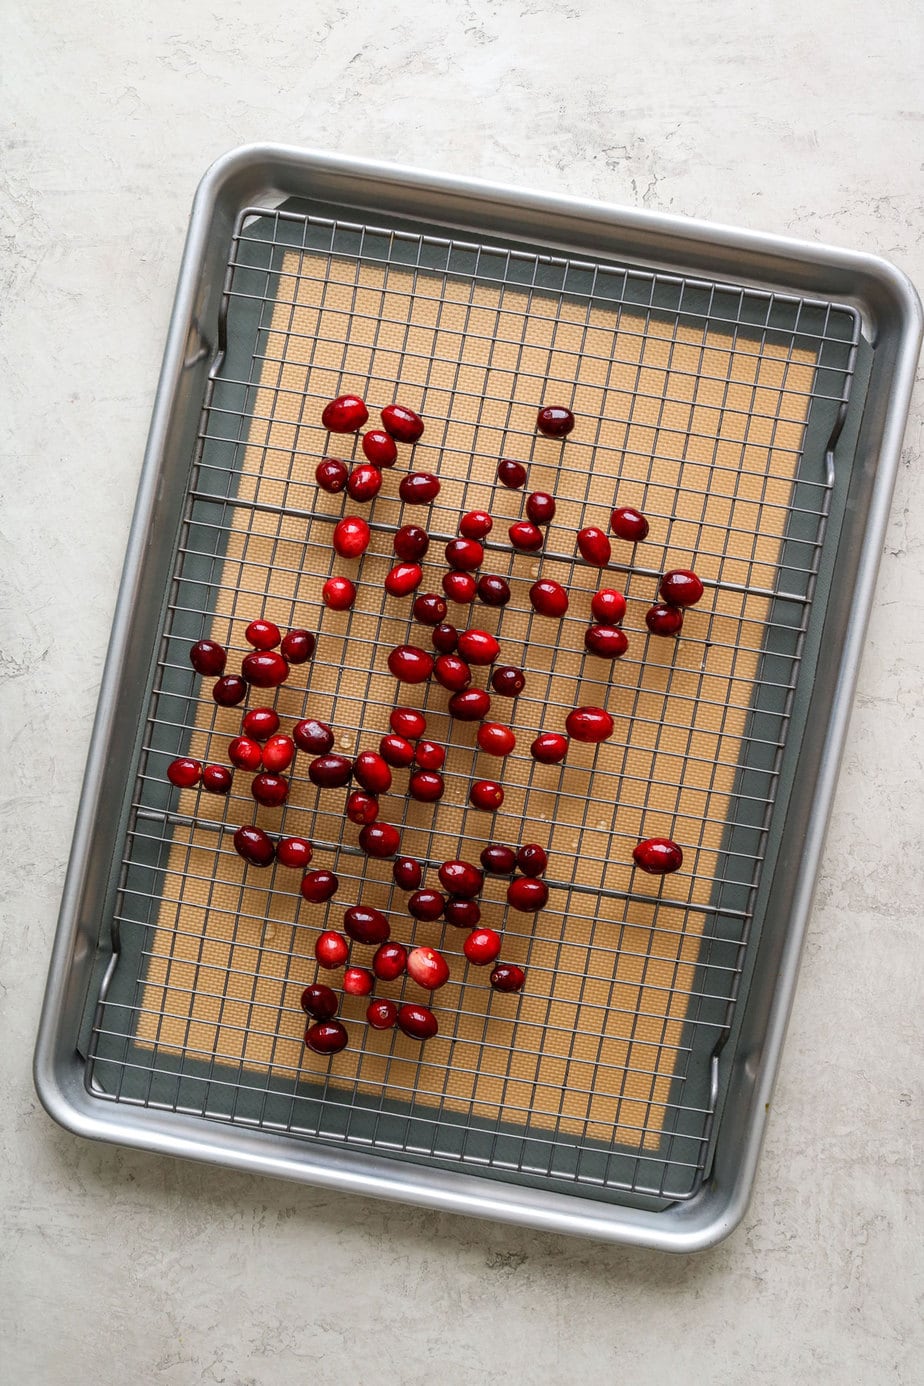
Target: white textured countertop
column 800, row 118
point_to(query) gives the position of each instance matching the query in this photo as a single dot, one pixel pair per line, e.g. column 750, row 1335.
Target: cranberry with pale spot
column 496, row 739
column 527, row 894
column 278, row 753
column 402, row 423
column 407, row 721
column 594, row 546
column 319, row 1001
column 364, row 483
column 532, row 859
column 216, row 779
column 254, row 845
column 430, row 755
column 425, row 904
column 507, row 977
column 540, row 507
column 464, row 554
column 511, row 474
column 452, row 672
column 549, row 748
column 410, row 543
column 430, row 609
column 331, row 475
column 332, row 771
column 548, row 598
column 361, row 807
column 389, row 961
column 498, row 859
column 658, row 856
column 482, row 946
column 372, row 772
column 475, row 524
column 478, row 647
column 555, row 421
column 245, row 753
column 338, row 593
column 265, row 668
column 609, row 642
column 464, row 914
column 426, row 786
column 229, row 690
column 427, row 967
column 379, row 448
column 313, row 736
column 628, row 523
column 461, row 878
column 270, row 790
column 407, row 873
column 294, row 851
column 590, row 724
column 459, row 587
column 298, row 645
column 345, row 414
column 662, row 619
column 351, row 536
column 410, row 664
column 318, row 886
column 525, row 536
column 417, row 1022
column 326, row 1037
column 471, row 705
column 419, row 488
column 357, row 981
column 608, row 606
column 487, row 795
column 396, row 751
column 493, row 590
column 263, row 635
column 379, row 839
column 365, row 924
column 381, row 1013
column 331, row 950
column 208, row 658
column 185, row 772
column 445, row 638
column 680, row 587
column 508, row 681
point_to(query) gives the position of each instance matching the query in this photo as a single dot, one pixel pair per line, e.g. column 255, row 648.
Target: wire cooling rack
column 715, row 410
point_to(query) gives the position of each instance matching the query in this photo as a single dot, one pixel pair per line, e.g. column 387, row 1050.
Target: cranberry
column 379, row 839
column 254, row 845
column 498, row 860
column 452, row 672
column 407, row 873
column 263, row 635
column 402, row 423
column 216, row 779
column 229, row 691
column 379, row 447
column 358, row 981
column 407, row 721
column 476, row 524
column 426, row 786
column 478, row 647
column 271, row 790
column 411, row 543
column 426, row 904
column 430, row 755
column 208, row 658
column 371, row 771
column 680, row 587
column 350, row 537
column 444, row 638
column 244, row 753
column 508, row 681
column 482, row 946
column 294, row 851
column 326, row 1037
column 658, row 856
column 527, row 894
column 410, row 664
column 487, row 795
column 278, row 753
column 361, row 807
column 540, row 507
column 388, row 962
column 260, row 723
column 594, row 546
column 608, row 606
column 630, row 524
column 662, row 619
column 313, row 736
column 549, row 748
column 460, row 587
column 331, row 950
column 396, row 751
column 493, row 590
column 555, row 421
column 330, row 771
column 464, row 554
column 298, row 646
column 461, row 878
column 184, row 773
column 364, row 924
column 331, row 475
column 339, row 593
column 532, row 859
column 428, row 968
column 471, row 705
column 507, row 977
column 345, row 414
column 319, row 1001
column 548, row 598
column 430, row 609
column 607, row 641
column 496, row 739
column 511, row 474
column 417, row 1022
column 365, row 482
column 589, row 724
column 382, row 1014
column 526, row 536
column 419, row 488
column 265, row 669
column 318, row 886
column 464, row 914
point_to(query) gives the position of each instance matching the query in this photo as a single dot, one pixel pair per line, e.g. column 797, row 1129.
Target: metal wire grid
column 203, row 1081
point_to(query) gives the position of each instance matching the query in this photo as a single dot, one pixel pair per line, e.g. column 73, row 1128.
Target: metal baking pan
column 749, row 393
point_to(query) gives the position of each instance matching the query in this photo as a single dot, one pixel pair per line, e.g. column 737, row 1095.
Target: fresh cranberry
column 407, row 721
column 326, row 1037
column 471, row 705
column 270, row 790
column 265, row 668
column 407, row 873
column 507, row 977
column 527, row 894
column 532, row 859
column 540, row 507
column 372, row 772
column 339, row 593
column 487, row 795
column 680, row 587
column 331, row 950
column 508, row 681
column 511, row 474
column 493, row 590
column 396, row 751
column 357, row 981
column 496, row 739
column 184, row 772
column 425, row 904
column 445, row 638
column 452, row 672
column 313, row 736
column 464, row 914
column 498, row 860
column 548, row 598
column 263, row 635
column 476, row 524
column 430, row 755
column 464, row 554
column 549, row 748
column 319, row 1001
column 460, row 587
column 278, row 753
column 411, row 543
column 426, row 786
column 318, row 886
column 417, row 1022
column 298, row 646
column 482, row 946
column 430, row 609
column 364, row 924
column 402, row 423
column 526, row 536
column 419, row 488
column 331, row 475
column 345, row 414
column 254, row 845
column 608, row 606
column 379, row 447
column 208, row 658
column 461, row 878
column 389, row 961
column 594, row 546
column 662, row 619
column 658, row 856
column 589, row 724
column 627, row 523
column 609, row 642
column 382, row 1013
column 410, row 664
column 294, row 851
column 379, row 839
column 362, row 808
column 350, row 537
column 229, row 691
column 216, row 779
column 478, row 647
column 260, row 723
column 245, row 753
column 555, row 421
column 365, row 482
column 330, row 771
column 428, row 968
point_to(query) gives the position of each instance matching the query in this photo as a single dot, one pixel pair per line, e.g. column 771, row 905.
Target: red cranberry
column 294, row 851
column 331, row 950
column 417, row 1022
column 498, row 860
column 658, row 856
column 396, row 751
column 609, row 642
column 411, row 543
column 419, row 488
column 229, row 691
column 365, row 482
column 464, row 914
column 662, row 619
column 260, row 723
column 407, row 721
column 482, row 946
column 532, row 859
column 426, row 786
column 382, row 1013
column 496, row 739
column 526, row 536
column 278, row 753
column 428, row 968
column 680, row 587
column 313, row 736
column 410, row 664
column 430, row 755
column 379, row 447
column 511, row 474
column 330, row 771
column 608, row 606
column 476, row 524
column 430, row 609
column 318, row 886
column 425, row 904
column 471, row 705
column 364, row 924
column 379, row 839
column 319, row 1001
column 540, row 507
column 460, row 587
column 508, row 681
column 331, row 475
column 407, row 873
column 627, row 523
column 298, row 646
column 184, row 773
column 527, row 894
column 461, row 878
column 402, row 423
column 389, row 961
column 351, row 536
column 478, row 647
column 244, row 753
column 452, row 672
column 445, row 638
column 594, row 546
column 487, row 795
column 358, row 981
column 208, row 658
column 362, row 808
column 326, row 1037
column 464, row 554
column 345, row 414
column 216, row 779
column 493, row 590
column 507, row 977
column 339, row 593
column 263, row 635
column 555, row 421
column 548, row 598
column 265, row 669
column 254, row 846
column 372, row 772
column 589, row 724
column 271, row 790
column 549, row 748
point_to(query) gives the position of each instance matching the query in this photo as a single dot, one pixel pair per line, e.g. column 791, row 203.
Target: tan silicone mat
column 700, row 428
